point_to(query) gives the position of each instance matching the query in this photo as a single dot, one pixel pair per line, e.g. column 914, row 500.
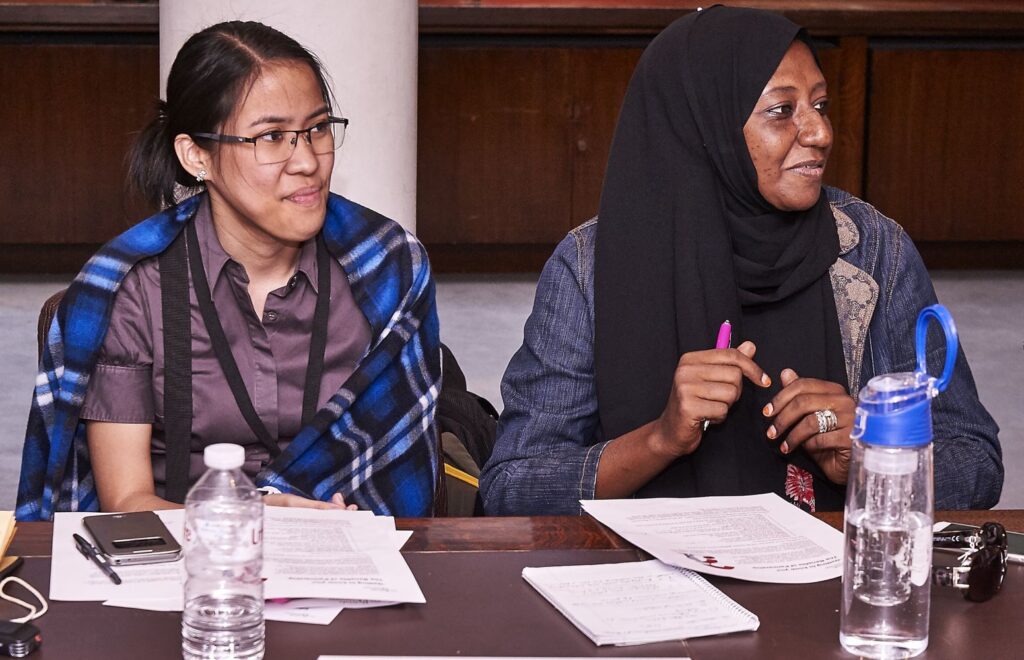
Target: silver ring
column 827, row 420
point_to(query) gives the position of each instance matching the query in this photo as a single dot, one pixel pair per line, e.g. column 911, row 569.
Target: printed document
column 339, row 555
column 639, row 602
column 761, row 538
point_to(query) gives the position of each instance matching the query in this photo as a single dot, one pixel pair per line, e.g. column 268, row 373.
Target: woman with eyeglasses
column 713, row 209
column 258, row 308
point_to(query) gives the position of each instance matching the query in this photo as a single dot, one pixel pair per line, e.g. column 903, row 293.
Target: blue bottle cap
column 894, row 410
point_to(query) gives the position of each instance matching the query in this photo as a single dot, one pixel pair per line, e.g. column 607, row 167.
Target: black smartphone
column 1014, row 541
column 132, row 538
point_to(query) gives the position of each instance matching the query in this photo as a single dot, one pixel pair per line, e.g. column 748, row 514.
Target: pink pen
column 724, row 336
column 724, row 341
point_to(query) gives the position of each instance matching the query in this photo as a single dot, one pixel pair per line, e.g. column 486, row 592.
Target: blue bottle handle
column 945, row 319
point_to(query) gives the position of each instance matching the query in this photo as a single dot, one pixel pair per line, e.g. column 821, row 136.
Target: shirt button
column 292, row 282
column 269, row 317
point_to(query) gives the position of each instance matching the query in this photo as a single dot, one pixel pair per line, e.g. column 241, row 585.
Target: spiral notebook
column 639, row 602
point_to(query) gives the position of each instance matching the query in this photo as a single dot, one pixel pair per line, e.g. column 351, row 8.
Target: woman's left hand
column 289, row 500
column 793, row 410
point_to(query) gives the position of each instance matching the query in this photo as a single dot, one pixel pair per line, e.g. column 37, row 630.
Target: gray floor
column 482, row 319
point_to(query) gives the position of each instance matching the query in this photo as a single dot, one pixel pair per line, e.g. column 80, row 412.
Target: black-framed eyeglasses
column 278, row 146
column 982, row 565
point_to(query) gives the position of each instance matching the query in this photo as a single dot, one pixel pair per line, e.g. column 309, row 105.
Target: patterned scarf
column 374, row 441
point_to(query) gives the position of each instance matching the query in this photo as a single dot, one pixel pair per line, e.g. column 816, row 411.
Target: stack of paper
column 6, row 534
column 761, row 538
column 328, row 560
column 638, row 603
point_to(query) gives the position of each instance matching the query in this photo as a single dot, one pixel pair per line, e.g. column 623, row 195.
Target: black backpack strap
column 471, row 418
column 318, row 340
column 221, row 347
column 177, row 321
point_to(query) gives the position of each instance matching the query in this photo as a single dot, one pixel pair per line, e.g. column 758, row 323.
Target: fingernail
column 784, row 447
column 772, row 432
column 767, row 410
column 766, row 380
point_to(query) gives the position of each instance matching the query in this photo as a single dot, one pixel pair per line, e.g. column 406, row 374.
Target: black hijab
column 685, row 241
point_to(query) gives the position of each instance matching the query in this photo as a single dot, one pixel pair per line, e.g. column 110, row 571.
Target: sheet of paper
column 472, row 657
column 304, row 610
column 305, row 557
column 174, row 604
column 639, row 602
column 307, row 553
column 6, row 530
column 761, row 538
column 73, row 577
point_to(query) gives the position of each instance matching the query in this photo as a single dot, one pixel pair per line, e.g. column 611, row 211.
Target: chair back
column 46, row 315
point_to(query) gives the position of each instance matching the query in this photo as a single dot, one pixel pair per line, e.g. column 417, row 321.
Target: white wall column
column 370, row 50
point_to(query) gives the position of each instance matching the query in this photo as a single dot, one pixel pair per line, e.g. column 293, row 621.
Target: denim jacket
column 549, row 437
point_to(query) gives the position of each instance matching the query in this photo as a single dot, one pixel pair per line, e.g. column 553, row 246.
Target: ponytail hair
column 204, row 88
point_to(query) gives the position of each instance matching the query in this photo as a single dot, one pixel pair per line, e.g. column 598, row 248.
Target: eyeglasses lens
column 278, row 146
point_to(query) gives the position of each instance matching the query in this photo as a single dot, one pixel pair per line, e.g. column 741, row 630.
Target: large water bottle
column 223, row 616
column 890, row 506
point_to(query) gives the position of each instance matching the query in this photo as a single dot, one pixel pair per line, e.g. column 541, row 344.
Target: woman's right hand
column 287, row 499
column 705, row 385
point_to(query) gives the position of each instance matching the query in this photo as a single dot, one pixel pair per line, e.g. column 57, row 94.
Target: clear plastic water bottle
column 223, row 616
column 890, row 506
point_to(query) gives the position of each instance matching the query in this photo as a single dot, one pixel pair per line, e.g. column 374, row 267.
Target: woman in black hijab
column 712, row 210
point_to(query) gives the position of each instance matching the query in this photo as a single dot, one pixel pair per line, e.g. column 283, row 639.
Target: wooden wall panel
column 946, row 142
column 495, row 157
column 600, row 77
column 69, row 114
column 552, row 113
column 845, row 69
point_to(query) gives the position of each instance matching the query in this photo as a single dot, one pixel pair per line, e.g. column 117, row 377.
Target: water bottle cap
column 224, row 456
column 891, row 393
column 894, row 410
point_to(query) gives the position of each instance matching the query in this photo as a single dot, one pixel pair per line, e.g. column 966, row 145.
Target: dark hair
column 206, row 81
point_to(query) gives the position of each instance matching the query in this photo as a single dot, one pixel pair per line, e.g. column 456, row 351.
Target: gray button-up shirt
column 128, row 383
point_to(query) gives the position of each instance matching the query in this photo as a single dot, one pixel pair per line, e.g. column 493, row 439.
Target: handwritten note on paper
column 761, row 538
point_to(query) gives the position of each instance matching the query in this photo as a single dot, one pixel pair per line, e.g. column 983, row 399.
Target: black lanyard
column 222, row 349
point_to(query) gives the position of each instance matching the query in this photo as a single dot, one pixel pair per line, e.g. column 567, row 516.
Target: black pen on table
column 94, row 555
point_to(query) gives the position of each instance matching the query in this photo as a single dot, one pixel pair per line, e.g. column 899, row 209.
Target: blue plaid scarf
column 374, row 441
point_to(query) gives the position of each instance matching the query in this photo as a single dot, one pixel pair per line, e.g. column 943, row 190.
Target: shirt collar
column 215, row 258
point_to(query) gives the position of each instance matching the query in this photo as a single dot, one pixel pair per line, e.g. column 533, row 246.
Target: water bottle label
column 922, row 557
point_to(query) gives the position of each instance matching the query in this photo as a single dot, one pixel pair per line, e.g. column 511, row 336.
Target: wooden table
column 477, row 604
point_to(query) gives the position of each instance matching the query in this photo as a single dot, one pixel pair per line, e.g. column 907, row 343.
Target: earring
column 201, row 176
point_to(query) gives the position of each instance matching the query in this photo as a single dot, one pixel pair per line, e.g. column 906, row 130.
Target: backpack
column 467, row 425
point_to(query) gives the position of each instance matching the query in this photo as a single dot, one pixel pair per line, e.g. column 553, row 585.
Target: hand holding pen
column 724, row 341
column 92, row 553
column 704, row 387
